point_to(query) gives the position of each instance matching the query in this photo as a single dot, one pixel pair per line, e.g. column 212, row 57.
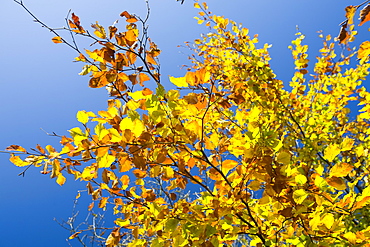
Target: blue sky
column 40, row 86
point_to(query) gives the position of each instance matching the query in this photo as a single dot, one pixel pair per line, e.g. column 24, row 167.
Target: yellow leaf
column 137, row 127
column 60, row 179
column 299, row 195
column 122, row 223
column 328, row 220
column 116, row 137
column 57, row 39
column 331, row 152
column 364, row 50
column 347, row 143
column 341, row 170
column 99, row 31
column 136, row 95
column 351, row 237
column 18, row 161
column 300, row 179
column 350, row 13
column 82, row 117
column 180, row 81
column 105, row 161
column 315, row 221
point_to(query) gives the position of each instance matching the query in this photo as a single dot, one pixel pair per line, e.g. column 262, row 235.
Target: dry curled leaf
column 365, row 14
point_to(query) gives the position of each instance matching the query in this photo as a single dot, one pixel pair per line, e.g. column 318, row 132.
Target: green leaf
column 160, row 91
column 171, row 224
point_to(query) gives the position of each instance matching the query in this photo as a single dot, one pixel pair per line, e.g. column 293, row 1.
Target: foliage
column 265, row 164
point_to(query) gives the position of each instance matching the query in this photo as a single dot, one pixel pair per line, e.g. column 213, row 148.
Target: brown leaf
column 75, row 23
column 343, row 34
column 365, row 14
column 16, row 148
column 337, row 183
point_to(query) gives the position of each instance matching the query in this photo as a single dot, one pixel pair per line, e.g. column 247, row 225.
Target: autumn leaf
column 331, row 152
column 336, row 182
column 343, row 34
column 60, row 179
column 82, row 117
column 364, row 50
column 74, row 235
column 232, row 153
column 75, row 24
column 16, row 160
column 341, row 169
column 16, row 148
column 99, row 31
column 179, row 82
column 57, row 39
column 129, row 18
column 350, row 13
column 365, row 14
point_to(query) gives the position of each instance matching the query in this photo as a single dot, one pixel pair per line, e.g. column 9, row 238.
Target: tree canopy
column 230, row 155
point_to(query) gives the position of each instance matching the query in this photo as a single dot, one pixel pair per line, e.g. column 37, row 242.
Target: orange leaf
column 125, row 14
column 139, row 173
column 227, row 165
column 150, row 59
column 365, row 14
column 364, row 50
column 147, row 91
column 129, row 18
column 143, row 78
column 74, row 235
column 125, row 165
column 57, row 39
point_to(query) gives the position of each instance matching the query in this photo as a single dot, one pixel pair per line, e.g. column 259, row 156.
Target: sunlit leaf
column 57, row 39
column 99, row 31
column 331, row 152
column 364, row 50
column 350, row 13
column 341, row 169
column 365, row 14
column 179, row 82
